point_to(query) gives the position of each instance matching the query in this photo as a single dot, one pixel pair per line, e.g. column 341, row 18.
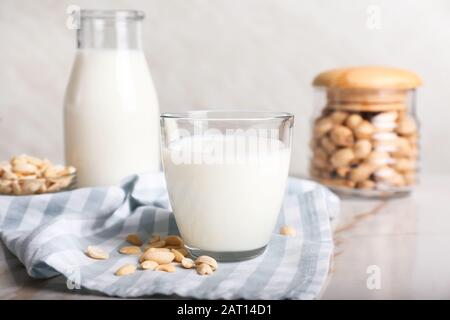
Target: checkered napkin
column 49, row 234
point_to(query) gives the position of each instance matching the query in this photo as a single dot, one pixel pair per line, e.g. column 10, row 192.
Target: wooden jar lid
column 368, row 78
column 367, row 88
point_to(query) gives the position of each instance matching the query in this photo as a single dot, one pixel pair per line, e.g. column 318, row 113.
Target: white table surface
column 408, row 239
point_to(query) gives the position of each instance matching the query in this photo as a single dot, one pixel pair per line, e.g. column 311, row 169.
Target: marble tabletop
column 395, row 249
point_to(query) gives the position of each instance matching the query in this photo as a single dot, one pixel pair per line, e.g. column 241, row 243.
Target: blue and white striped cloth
column 49, row 233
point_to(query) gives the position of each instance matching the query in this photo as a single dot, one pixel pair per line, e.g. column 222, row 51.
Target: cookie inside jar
column 365, row 140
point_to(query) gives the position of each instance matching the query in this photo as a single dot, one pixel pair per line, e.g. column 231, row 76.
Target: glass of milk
column 111, row 109
column 226, row 174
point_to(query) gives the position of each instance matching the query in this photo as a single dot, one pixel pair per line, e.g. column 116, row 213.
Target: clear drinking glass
column 226, row 174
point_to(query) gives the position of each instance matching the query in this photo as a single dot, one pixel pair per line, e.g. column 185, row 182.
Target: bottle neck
column 109, row 30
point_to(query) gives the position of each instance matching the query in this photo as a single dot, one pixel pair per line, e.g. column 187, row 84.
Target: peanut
column 187, row 263
column 149, row 265
column 342, row 158
column 16, row 188
column 27, row 159
column 161, row 257
column 403, row 148
column 322, row 126
column 142, row 258
column 361, row 172
column 385, row 121
column 178, row 255
column 207, row 260
column 130, row 250
column 338, row 117
column 5, row 187
column 353, row 121
column 31, row 186
column 97, row 253
column 389, row 176
column 24, row 168
column 327, row 145
column 204, row 269
column 364, row 130
column 362, row 148
column 342, row 136
column 288, row 231
column 406, row 126
column 125, row 270
column 57, row 171
column 166, row 268
column 134, row 239
column 404, row 165
column 173, row 240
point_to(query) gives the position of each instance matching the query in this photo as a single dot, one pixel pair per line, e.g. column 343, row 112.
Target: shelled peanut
column 364, row 150
column 23, row 175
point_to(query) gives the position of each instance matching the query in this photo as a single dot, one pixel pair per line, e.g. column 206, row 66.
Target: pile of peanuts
column 158, row 255
column 365, row 150
column 24, row 175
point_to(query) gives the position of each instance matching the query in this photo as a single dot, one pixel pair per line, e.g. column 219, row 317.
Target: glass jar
column 365, row 141
column 111, row 114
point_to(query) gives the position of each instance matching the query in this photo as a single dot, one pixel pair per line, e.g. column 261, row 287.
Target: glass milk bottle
column 111, row 115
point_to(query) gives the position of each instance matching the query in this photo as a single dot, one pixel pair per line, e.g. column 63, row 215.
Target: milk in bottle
column 111, row 109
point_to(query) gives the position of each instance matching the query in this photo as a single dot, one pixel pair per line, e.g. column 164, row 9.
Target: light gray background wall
column 228, row 53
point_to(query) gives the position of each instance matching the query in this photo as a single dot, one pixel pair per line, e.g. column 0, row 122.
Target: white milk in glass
column 226, row 198
column 111, row 116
